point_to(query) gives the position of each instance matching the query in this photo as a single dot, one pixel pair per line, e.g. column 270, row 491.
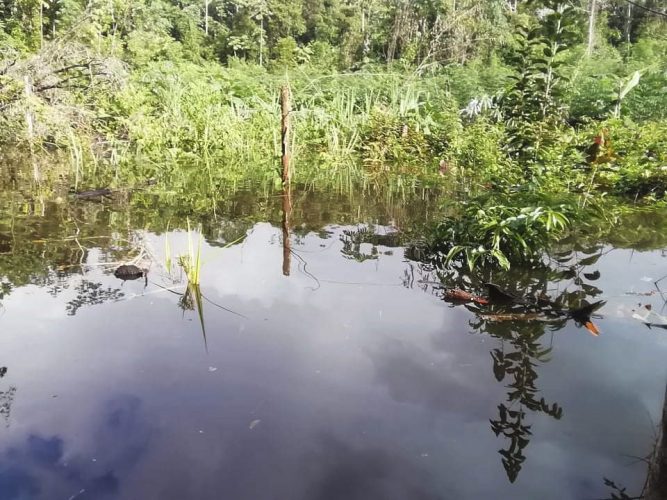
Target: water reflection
column 520, row 354
column 89, row 293
column 6, row 398
column 43, row 466
column 192, row 299
column 561, row 288
column 364, row 243
column 339, row 470
column 655, row 485
column 287, row 213
column 339, row 382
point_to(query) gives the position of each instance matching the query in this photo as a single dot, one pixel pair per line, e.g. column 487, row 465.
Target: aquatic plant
column 489, row 233
column 191, row 261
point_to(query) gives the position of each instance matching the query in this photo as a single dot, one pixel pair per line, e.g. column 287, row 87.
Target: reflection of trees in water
column 367, row 235
column 564, row 280
column 89, row 293
column 5, row 289
column 6, row 398
column 655, row 485
column 517, row 360
column 46, row 244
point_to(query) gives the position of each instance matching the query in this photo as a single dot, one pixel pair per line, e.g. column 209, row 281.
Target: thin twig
column 305, row 271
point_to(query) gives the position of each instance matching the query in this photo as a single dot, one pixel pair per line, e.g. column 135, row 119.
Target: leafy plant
column 536, row 92
column 499, row 235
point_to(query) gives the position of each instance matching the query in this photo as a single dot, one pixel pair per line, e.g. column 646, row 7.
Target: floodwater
column 326, row 368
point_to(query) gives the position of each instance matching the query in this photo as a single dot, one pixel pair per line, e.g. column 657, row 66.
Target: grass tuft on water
column 191, row 262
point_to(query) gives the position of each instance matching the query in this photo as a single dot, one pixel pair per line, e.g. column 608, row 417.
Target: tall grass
column 199, row 127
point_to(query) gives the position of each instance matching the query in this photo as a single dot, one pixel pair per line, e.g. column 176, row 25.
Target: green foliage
column 638, row 167
column 322, row 56
column 535, row 95
column 484, row 232
column 477, row 150
column 594, row 82
column 388, row 140
column 597, row 80
column 128, row 90
column 285, row 52
column 477, row 78
column 144, row 47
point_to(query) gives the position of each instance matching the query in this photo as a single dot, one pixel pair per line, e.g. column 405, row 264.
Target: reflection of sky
column 351, row 391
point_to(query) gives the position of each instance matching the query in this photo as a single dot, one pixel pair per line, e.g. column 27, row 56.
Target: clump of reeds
column 191, row 262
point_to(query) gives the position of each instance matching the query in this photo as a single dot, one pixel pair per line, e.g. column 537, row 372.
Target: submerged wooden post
column 287, row 247
column 285, row 111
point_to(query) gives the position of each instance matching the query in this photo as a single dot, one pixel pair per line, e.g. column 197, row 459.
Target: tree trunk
column 261, row 41
column 591, row 27
column 628, row 23
column 397, row 30
column 206, row 2
column 41, row 24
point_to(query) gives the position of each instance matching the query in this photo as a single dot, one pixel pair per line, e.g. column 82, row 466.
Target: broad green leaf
column 632, row 83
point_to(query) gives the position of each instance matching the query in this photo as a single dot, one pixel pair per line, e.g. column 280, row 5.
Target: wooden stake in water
column 285, row 112
column 287, row 247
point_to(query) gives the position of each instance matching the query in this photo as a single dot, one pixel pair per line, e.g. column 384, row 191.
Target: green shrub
column 638, row 166
column 285, row 52
column 392, row 143
column 483, row 232
column 145, row 46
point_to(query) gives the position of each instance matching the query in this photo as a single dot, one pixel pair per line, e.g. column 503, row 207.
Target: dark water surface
column 350, row 378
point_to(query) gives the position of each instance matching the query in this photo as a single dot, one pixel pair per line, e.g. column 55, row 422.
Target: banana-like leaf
column 632, row 83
